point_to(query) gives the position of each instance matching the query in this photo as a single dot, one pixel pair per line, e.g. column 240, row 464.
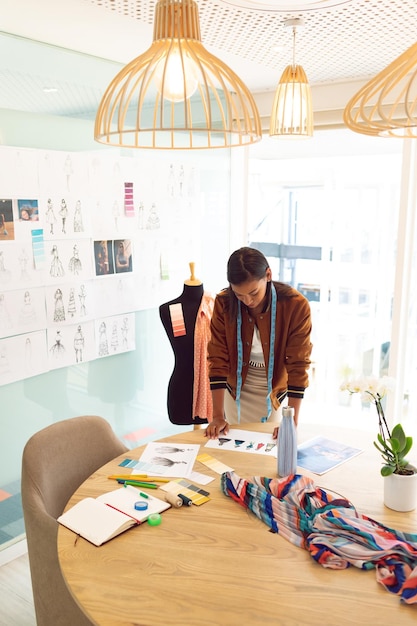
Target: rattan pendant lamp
column 177, row 95
column 292, row 111
column 387, row 104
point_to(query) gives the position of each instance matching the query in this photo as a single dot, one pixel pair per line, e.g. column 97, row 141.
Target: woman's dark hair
column 250, row 264
column 246, row 264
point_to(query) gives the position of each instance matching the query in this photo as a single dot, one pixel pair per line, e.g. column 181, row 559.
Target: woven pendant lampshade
column 387, row 104
column 292, row 110
column 177, row 95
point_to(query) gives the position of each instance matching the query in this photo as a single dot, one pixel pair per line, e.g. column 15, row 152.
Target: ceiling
column 58, row 57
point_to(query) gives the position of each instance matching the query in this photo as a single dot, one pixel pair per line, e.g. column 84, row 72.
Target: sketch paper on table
column 245, row 441
column 167, row 459
column 319, row 455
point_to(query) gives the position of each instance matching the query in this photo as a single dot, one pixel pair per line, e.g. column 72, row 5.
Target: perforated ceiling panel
column 76, row 48
column 348, row 40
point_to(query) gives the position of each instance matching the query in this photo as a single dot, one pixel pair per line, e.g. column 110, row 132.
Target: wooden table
column 219, row 564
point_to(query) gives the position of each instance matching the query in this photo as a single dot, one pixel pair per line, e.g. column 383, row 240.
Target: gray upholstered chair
column 55, row 462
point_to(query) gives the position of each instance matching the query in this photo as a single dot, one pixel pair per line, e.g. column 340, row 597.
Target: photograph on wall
column 28, row 210
column 6, row 220
column 122, row 249
column 103, row 256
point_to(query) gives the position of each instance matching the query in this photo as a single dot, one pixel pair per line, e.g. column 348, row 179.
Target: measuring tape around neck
column 271, row 355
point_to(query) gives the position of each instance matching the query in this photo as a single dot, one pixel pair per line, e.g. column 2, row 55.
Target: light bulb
column 292, row 109
column 176, row 75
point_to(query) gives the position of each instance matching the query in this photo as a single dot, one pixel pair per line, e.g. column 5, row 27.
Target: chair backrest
column 55, row 462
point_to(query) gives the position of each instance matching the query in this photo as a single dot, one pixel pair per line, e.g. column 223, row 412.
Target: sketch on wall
column 87, row 239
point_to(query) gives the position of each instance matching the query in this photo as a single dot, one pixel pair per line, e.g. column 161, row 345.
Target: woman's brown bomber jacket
column 292, row 344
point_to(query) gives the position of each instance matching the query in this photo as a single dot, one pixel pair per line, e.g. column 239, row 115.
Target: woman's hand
column 275, row 433
column 217, row 426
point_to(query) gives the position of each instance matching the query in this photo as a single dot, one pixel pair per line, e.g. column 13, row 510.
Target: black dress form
column 180, row 387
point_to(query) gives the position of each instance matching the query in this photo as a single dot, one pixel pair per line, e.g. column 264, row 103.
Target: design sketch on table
column 57, row 269
column 75, row 266
column 245, row 441
column 167, row 460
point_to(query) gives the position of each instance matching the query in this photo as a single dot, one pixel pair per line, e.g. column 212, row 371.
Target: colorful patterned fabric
column 330, row 528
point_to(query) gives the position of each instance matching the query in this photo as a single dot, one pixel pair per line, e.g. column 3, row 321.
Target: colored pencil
column 137, row 483
column 143, row 478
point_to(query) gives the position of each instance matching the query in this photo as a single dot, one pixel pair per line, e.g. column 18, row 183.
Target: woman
column 248, row 379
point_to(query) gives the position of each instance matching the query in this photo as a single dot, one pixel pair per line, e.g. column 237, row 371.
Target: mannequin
column 178, row 318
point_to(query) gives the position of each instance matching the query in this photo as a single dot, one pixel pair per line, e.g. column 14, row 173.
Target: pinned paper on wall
column 177, row 320
column 38, row 248
column 128, row 200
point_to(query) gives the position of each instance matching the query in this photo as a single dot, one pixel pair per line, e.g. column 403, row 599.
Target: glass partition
column 326, row 214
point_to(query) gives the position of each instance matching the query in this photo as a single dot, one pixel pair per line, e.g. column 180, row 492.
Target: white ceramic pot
column 400, row 492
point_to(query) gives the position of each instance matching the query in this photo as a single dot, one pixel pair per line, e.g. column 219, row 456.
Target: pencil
column 143, row 478
column 137, row 483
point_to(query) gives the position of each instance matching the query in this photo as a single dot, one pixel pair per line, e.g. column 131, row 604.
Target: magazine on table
column 320, row 454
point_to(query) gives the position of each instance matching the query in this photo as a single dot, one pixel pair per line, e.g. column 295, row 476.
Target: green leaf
column 398, row 433
column 395, row 444
column 387, row 470
column 408, row 445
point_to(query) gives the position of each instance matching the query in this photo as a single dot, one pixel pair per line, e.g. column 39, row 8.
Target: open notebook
column 100, row 519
